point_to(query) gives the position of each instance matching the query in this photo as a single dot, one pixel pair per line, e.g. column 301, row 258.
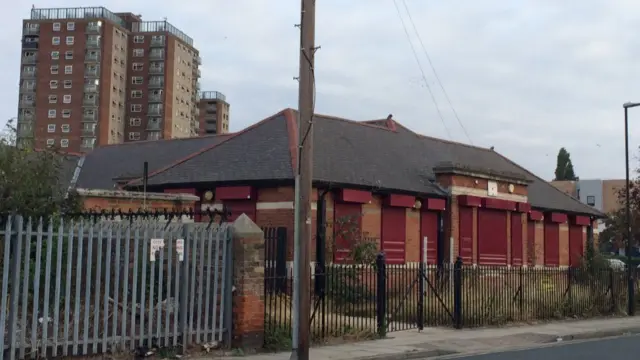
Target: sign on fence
column 155, row 246
column 180, row 249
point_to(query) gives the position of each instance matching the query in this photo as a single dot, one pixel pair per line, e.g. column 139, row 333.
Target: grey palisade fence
column 73, row 286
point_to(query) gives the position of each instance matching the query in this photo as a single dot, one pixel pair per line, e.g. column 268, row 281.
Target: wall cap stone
column 245, row 226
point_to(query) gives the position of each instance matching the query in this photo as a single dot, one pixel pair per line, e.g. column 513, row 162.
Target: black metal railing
column 371, row 300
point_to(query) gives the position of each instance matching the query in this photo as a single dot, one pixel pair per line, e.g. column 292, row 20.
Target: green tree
column 32, row 181
column 564, row 166
column 616, row 222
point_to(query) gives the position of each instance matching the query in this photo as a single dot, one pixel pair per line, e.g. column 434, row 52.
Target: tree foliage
column 564, row 167
column 31, row 180
column 615, row 223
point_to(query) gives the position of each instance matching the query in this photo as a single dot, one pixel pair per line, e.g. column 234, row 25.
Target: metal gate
column 87, row 286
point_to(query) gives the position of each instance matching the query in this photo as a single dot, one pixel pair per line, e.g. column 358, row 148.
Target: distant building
column 91, row 77
column 213, row 115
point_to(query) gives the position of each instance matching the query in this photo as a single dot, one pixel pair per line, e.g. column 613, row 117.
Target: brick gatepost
column 248, row 279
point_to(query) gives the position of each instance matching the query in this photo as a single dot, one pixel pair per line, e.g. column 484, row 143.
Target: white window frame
column 137, row 66
column 66, row 113
column 136, row 92
column 134, row 136
column 138, row 39
column 136, row 108
column 51, row 128
column 64, row 143
column 66, row 99
column 69, row 40
column 68, row 55
column 134, row 80
column 69, row 82
column 54, row 69
column 71, row 26
column 53, row 99
column 138, row 52
column 55, row 55
column 57, row 26
column 53, row 84
column 55, row 40
column 65, row 128
column 51, row 114
column 135, row 121
column 50, row 142
column 68, row 69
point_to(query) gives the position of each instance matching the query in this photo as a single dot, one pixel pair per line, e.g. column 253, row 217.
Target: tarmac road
column 618, row 348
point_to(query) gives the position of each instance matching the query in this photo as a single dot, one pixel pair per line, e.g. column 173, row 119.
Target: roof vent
column 390, row 117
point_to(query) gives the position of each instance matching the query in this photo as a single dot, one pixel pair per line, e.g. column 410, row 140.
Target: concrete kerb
column 443, row 354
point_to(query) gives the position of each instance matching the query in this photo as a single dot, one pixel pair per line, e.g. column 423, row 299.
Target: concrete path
column 436, row 342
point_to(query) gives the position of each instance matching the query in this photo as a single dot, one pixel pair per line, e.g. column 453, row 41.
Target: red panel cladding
column 492, row 237
column 234, row 193
column 536, row 215
column 469, row 200
column 429, row 230
column 347, row 221
column 465, row 216
column 523, row 207
column 404, row 201
column 531, row 242
column 394, row 234
column 437, row 204
column 557, row 217
column 551, row 244
column 516, row 239
column 576, row 249
column 499, row 204
column 355, row 196
column 239, row 207
column 580, row 220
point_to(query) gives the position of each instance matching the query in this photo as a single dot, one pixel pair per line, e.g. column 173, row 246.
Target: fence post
column 521, row 297
column 457, row 293
column 569, row 308
column 381, row 295
column 421, row 275
column 612, row 290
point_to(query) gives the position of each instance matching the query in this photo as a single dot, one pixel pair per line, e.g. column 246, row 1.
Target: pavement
column 450, row 343
column 619, row 348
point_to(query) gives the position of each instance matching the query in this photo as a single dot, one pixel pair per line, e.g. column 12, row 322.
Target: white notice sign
column 180, row 249
column 156, row 245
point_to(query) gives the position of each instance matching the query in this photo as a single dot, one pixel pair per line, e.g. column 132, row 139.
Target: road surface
column 620, row 348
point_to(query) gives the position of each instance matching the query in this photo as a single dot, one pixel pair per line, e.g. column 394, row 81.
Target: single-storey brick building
column 407, row 191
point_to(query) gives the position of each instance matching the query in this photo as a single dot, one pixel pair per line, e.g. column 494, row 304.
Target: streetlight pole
column 630, row 283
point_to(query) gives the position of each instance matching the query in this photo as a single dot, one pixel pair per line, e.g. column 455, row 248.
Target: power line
column 435, row 73
column 424, row 77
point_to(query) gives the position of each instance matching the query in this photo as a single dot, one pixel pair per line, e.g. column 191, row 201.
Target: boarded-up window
column 394, row 234
column 347, row 229
column 492, row 237
column 551, row 244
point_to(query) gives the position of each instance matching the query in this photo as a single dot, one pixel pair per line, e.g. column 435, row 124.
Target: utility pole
column 304, row 177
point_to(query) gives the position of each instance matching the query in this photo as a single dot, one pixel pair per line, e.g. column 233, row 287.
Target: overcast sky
column 526, row 77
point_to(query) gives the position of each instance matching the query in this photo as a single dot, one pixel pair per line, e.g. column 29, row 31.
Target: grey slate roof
column 366, row 154
column 105, row 164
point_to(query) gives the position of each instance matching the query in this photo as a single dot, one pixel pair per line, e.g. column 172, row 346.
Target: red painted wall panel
column 551, row 244
column 492, row 237
column 516, row 239
column 531, row 242
column 347, row 217
column 465, row 216
column 429, row 229
column 576, row 249
column 239, row 207
column 394, row 234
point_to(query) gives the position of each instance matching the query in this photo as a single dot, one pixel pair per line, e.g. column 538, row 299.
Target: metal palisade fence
column 78, row 286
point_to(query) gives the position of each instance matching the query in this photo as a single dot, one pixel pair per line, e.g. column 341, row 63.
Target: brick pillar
column 248, row 279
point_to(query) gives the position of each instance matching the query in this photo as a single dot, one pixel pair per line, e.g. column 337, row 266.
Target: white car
column 616, row 264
